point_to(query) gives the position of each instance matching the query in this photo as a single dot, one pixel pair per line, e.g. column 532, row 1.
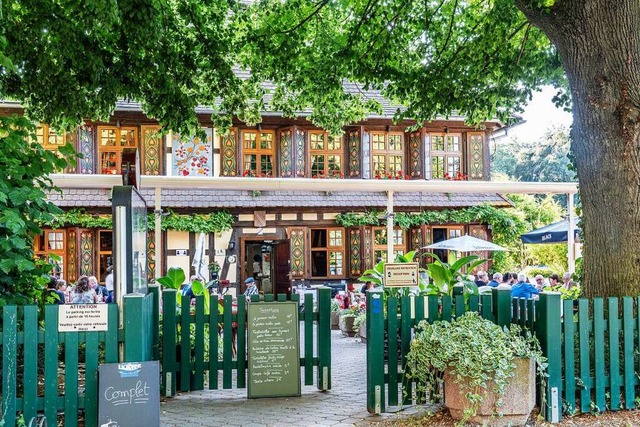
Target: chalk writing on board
column 273, row 350
column 132, row 396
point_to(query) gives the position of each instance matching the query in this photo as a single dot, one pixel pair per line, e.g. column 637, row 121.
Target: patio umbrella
column 466, row 244
column 199, row 262
column 552, row 233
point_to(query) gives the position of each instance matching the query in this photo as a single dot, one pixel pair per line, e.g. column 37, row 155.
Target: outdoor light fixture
column 232, row 245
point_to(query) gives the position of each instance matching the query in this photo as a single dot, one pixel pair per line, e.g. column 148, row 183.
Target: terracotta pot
column 519, row 398
column 335, row 320
column 346, row 325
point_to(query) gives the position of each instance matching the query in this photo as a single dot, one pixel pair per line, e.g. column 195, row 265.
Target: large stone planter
column 362, row 332
column 335, row 320
column 346, row 325
column 519, row 398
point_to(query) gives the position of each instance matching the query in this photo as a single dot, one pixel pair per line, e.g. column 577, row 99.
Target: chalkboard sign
column 129, row 393
column 274, row 349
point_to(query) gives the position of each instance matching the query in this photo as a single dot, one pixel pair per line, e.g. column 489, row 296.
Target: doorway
column 268, row 262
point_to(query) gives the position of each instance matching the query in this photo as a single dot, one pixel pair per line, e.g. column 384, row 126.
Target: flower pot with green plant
column 335, row 314
column 488, row 372
column 347, row 320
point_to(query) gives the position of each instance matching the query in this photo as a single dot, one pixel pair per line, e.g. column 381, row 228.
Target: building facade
column 296, row 236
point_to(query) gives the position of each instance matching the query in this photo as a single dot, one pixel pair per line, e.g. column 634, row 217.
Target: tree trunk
column 598, row 43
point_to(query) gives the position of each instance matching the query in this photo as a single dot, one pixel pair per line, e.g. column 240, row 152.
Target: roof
column 238, row 200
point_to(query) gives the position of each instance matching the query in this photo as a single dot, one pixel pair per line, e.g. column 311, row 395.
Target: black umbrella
column 552, row 233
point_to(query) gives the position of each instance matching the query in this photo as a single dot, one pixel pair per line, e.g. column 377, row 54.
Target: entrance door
column 282, row 267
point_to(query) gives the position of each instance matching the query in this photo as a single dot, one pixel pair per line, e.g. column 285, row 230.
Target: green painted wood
column 501, row 306
column 419, row 312
column 213, row 344
column 308, row 339
column 549, row 333
column 485, row 307
column 256, row 298
column 392, row 363
column 514, row 310
column 9, row 368
column 446, row 308
column 460, row 308
column 375, row 357
column 584, row 327
column 50, row 362
column 324, row 338
column 241, row 345
column 614, row 353
column 599, row 360
column 268, row 298
column 185, row 345
column 70, row 379
column 569, row 345
column 405, row 334
column 134, row 328
column 198, row 374
column 282, row 297
column 433, row 302
column 30, row 351
column 169, row 342
column 474, row 303
column 522, row 312
column 531, row 321
column 154, row 289
column 628, row 347
column 91, row 379
column 111, row 338
column 227, row 356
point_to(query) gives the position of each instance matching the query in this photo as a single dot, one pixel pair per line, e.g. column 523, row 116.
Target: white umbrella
column 198, row 259
column 466, row 244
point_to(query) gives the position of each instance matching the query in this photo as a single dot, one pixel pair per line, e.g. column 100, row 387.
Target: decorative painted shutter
column 300, row 153
column 297, row 240
column 415, row 155
column 86, row 147
column 355, row 253
column 151, row 255
column 367, row 244
column 286, row 152
column 229, row 153
column 151, row 150
column 475, row 156
column 354, row 144
column 86, row 252
column 72, row 255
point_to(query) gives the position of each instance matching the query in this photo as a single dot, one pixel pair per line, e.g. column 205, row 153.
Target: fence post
column 375, row 352
column 137, row 329
column 154, row 289
column 324, row 338
column 169, row 337
column 501, row 306
column 549, row 332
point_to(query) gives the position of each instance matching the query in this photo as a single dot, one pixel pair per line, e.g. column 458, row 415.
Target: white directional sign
column 82, row 317
column 401, row 274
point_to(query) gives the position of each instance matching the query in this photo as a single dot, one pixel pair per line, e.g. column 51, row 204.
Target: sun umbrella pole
column 571, row 247
column 389, row 226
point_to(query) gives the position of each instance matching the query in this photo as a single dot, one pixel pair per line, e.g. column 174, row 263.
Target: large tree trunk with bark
column 599, row 44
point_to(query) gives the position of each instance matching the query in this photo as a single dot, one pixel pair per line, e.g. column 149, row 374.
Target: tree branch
column 450, row 30
column 322, row 4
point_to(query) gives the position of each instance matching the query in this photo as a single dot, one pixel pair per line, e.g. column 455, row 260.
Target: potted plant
column 347, row 320
column 488, row 372
column 335, row 314
column 360, row 326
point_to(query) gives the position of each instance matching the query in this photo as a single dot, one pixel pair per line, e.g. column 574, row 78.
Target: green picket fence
column 206, row 351
column 46, row 373
column 386, row 385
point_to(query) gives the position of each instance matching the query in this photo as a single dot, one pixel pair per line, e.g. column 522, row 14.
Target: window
column 327, row 252
column 446, row 150
column 258, row 153
column 387, row 154
column 111, row 141
column 51, row 246
column 380, row 243
column 325, row 155
column 445, row 233
column 50, row 139
column 105, row 248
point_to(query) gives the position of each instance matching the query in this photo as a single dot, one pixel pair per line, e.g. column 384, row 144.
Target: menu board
column 274, row 349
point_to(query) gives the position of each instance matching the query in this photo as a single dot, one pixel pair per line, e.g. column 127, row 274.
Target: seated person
column 522, row 289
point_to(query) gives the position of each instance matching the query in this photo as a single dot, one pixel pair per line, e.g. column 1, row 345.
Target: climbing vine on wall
column 214, row 222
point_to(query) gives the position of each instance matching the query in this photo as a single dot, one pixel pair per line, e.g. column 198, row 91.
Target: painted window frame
column 328, row 249
column 449, row 157
column 259, row 152
column 115, row 150
column 43, row 130
column 101, row 271
column 327, row 154
column 379, row 250
column 42, row 247
column 387, row 153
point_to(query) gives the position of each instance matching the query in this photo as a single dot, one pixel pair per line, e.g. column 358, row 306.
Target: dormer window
column 325, row 155
column 446, row 151
column 387, row 154
column 112, row 140
column 258, row 153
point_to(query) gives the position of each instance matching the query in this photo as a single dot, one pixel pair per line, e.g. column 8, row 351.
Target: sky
column 540, row 114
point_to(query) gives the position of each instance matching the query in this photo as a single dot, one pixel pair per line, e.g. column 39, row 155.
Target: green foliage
column 352, row 219
column 446, row 275
column 376, row 276
column 335, row 306
column 24, row 182
column 214, row 222
column 573, row 293
column 174, row 279
column 473, row 349
column 360, row 322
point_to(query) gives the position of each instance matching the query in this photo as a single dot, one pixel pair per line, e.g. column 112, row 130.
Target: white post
column 571, row 249
column 390, row 257
column 158, row 232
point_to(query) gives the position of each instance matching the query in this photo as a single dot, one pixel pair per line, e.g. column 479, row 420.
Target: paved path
column 344, row 405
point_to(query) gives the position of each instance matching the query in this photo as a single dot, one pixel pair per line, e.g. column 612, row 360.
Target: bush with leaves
column 24, row 184
column 477, row 352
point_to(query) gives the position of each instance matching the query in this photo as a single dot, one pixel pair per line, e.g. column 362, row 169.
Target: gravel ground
column 607, row 419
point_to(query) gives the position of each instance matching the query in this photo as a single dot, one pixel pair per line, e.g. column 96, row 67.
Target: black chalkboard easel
column 274, row 349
